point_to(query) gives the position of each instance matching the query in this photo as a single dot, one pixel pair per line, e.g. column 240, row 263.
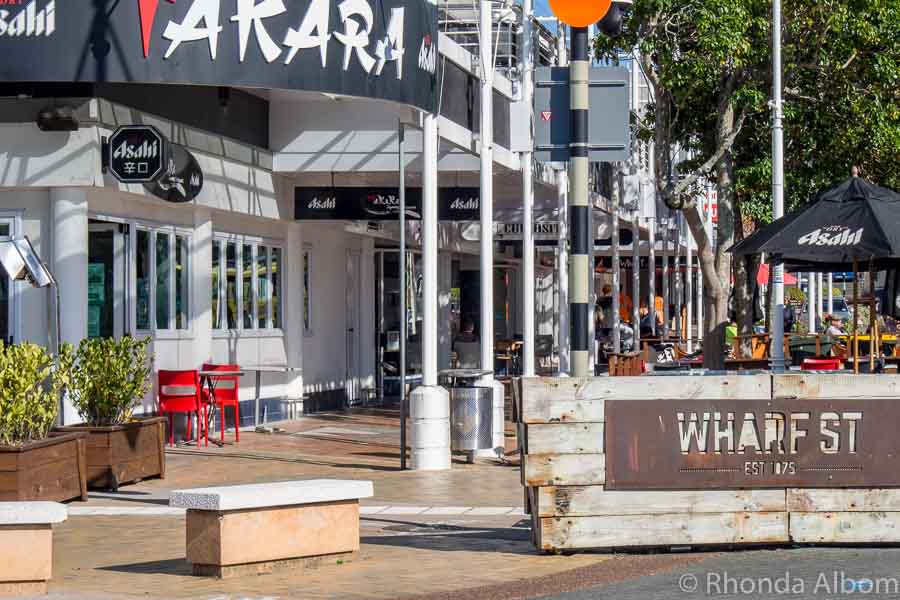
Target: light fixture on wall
column 22, row 263
column 57, row 118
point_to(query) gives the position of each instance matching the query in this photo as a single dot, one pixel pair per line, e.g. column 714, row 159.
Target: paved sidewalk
column 422, row 533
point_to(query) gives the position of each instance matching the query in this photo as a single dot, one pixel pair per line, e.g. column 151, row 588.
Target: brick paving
column 458, row 533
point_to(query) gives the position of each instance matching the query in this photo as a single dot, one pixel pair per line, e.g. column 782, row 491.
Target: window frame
column 152, row 227
column 222, row 239
column 14, row 312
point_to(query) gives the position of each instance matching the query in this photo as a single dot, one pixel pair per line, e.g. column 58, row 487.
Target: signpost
column 136, row 154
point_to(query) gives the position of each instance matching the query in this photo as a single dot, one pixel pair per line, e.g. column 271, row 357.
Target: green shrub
column 109, row 379
column 795, row 294
column 30, row 387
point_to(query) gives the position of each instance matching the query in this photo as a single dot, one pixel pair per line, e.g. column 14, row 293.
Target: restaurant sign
column 738, row 444
column 384, row 49
column 380, row 204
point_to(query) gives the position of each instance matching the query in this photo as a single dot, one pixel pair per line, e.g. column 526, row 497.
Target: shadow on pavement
column 450, row 538
column 173, row 566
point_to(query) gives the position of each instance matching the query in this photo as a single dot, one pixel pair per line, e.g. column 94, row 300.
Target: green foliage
column 795, row 294
column 30, row 386
column 109, row 378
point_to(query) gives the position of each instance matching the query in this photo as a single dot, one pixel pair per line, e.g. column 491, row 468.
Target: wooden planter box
column 54, row 469
column 121, row 454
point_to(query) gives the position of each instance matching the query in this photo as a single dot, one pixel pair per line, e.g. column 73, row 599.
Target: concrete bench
column 252, row 529
column 26, row 546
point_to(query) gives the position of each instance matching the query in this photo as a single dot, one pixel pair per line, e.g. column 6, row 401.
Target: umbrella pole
column 855, row 317
column 874, row 346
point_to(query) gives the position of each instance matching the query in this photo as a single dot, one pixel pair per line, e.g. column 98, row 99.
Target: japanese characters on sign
column 137, row 154
column 695, row 444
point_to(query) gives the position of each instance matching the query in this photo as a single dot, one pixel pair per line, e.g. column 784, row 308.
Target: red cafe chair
column 821, row 364
column 179, row 392
column 226, row 388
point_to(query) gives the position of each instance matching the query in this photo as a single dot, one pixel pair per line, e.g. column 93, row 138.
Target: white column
column 689, row 288
column 810, row 301
column 831, row 293
column 636, row 282
column 201, row 284
column 616, row 273
column 528, row 365
column 486, row 131
column 820, row 304
column 69, row 232
column 665, row 279
column 677, row 280
column 292, row 311
column 430, row 404
column 562, row 275
column 651, row 271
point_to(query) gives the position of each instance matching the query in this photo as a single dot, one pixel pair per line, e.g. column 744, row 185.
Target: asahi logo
column 144, row 150
column 258, row 19
column 29, row 21
column 835, row 235
column 428, row 55
column 464, row 204
column 328, row 203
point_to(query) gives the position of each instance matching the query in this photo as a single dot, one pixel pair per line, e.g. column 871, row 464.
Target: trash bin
column 471, row 409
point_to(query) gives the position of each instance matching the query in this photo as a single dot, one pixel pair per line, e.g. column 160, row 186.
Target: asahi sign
column 380, row 204
column 698, row 444
column 137, row 154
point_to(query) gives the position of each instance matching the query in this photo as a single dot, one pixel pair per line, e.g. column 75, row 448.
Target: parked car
column 840, row 309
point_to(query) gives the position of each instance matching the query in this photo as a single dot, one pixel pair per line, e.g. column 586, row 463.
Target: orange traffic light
column 580, row 13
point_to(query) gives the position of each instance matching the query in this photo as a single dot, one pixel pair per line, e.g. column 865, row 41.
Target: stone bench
column 252, row 529
column 26, row 546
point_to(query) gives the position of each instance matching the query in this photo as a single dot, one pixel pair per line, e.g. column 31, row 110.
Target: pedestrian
column 835, row 326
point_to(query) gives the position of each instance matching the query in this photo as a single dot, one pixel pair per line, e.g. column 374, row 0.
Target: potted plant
column 35, row 463
column 109, row 377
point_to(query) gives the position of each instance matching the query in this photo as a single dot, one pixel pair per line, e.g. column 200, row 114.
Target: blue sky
column 541, row 7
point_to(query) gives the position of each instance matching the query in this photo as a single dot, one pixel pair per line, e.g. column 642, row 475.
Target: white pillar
column 69, row 232
column 562, row 275
column 201, row 284
column 810, row 301
column 292, row 312
column 831, row 293
column 430, row 404
column 676, row 279
column 486, row 132
column 820, row 305
column 665, row 280
column 636, row 282
column 689, row 288
column 528, row 365
column 616, row 273
column 651, row 271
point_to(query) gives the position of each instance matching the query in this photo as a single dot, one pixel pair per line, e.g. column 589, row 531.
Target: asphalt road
column 813, row 573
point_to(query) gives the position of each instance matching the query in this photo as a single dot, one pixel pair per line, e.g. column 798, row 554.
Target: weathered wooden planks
column 831, row 386
column 546, row 400
column 564, row 469
column 670, row 529
column 843, row 500
column 595, row 501
column 565, row 438
column 845, row 527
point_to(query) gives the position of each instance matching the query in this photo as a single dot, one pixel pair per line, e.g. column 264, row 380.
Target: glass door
column 106, row 310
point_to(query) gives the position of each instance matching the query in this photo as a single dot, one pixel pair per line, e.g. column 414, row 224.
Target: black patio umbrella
column 852, row 224
column 855, row 221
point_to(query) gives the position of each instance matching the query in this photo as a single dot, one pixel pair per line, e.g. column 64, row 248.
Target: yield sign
column 546, row 115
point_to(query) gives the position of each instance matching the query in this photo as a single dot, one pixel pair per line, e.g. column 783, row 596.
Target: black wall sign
column 381, row 204
column 136, row 154
column 182, row 179
column 372, row 48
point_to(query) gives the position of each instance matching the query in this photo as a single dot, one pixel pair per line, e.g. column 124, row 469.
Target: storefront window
column 163, row 273
column 216, row 284
column 247, row 285
column 254, row 270
column 262, row 287
column 143, row 279
column 181, row 282
column 275, row 273
column 231, row 299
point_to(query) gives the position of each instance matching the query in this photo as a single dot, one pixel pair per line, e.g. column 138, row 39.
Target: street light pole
column 528, row 356
column 777, row 342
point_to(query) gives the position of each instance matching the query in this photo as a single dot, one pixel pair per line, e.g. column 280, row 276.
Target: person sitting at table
column 647, row 325
column 731, row 333
column 835, row 327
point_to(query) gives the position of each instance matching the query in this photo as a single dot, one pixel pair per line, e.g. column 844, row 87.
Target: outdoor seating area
column 201, row 393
